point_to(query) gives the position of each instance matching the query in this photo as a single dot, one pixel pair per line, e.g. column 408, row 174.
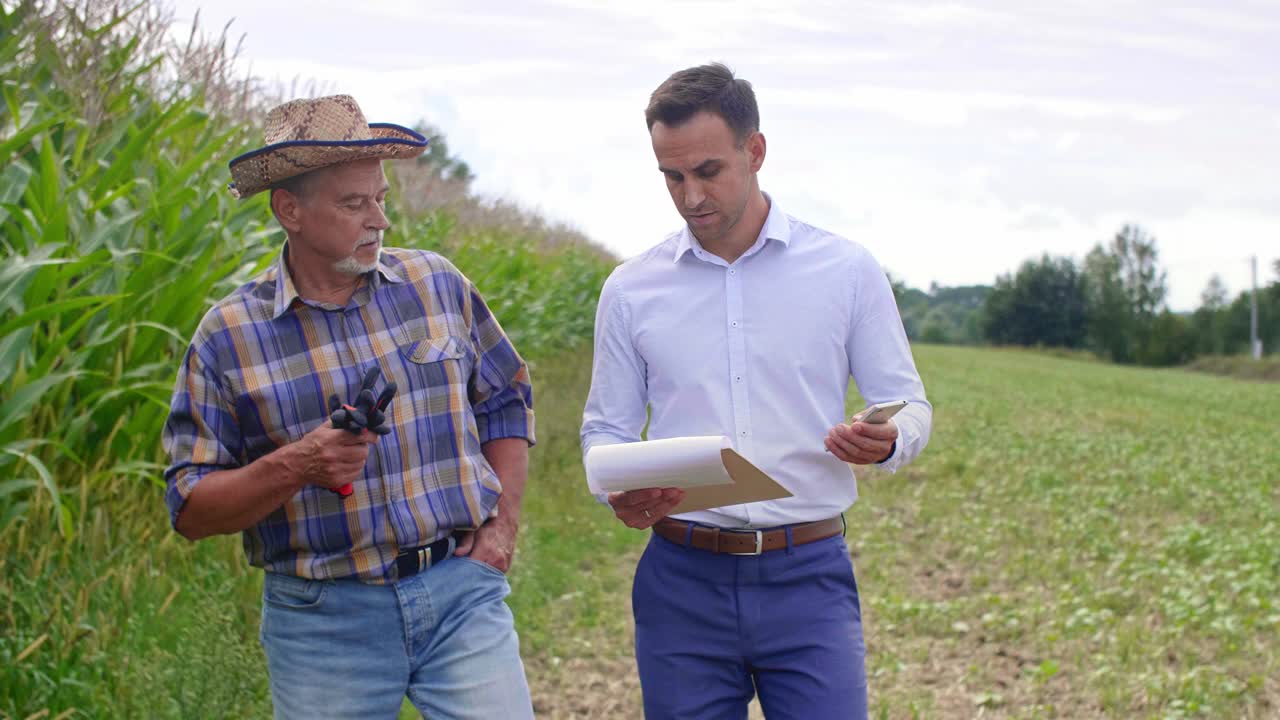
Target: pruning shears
column 366, row 413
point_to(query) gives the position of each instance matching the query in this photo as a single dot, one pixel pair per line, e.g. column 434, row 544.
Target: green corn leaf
column 124, row 190
column 32, row 443
column 50, row 178
column 46, row 479
column 114, row 233
column 17, row 405
column 10, row 93
column 13, row 486
column 14, row 513
column 12, row 346
column 13, row 183
column 162, row 328
column 127, row 157
column 44, row 312
column 65, row 336
column 23, row 138
column 20, row 228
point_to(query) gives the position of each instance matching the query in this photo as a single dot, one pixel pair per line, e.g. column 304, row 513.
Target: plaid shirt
column 263, row 363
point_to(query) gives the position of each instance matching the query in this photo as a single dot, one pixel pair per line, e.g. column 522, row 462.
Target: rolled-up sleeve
column 500, row 389
column 201, row 434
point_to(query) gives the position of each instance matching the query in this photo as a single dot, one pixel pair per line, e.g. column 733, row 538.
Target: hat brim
column 255, row 171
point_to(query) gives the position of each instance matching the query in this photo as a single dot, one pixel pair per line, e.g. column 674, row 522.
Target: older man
column 748, row 323
column 384, row 551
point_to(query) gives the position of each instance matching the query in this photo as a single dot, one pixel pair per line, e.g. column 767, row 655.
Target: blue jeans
column 345, row 649
column 714, row 629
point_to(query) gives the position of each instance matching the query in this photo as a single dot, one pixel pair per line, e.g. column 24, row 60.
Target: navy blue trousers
column 713, row 629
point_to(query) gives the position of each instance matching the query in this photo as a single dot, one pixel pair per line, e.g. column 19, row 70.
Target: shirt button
column 733, row 272
column 744, row 433
column 734, row 323
column 738, row 378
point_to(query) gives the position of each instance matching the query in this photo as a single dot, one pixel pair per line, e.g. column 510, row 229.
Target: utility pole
column 1255, row 345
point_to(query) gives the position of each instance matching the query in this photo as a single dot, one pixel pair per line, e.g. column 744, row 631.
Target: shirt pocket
column 434, row 350
column 437, row 368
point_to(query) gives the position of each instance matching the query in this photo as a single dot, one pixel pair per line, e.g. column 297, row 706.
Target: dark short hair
column 710, row 88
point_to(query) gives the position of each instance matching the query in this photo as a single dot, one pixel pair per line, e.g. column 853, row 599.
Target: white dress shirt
column 760, row 350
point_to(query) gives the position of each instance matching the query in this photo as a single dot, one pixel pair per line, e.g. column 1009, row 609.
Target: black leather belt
column 414, row 560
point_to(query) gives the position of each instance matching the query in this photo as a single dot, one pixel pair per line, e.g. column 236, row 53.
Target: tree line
column 1112, row 303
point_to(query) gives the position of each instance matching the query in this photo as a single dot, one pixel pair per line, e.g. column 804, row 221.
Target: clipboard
column 707, row 468
column 750, row 484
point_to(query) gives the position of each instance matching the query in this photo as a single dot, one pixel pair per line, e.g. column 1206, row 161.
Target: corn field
column 117, row 233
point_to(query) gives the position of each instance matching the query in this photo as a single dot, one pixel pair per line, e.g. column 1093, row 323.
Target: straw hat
column 305, row 135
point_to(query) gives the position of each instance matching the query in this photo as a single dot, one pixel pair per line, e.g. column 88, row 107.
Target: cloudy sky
column 954, row 139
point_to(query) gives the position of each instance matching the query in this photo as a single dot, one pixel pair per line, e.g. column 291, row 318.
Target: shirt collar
column 776, row 227
column 287, row 292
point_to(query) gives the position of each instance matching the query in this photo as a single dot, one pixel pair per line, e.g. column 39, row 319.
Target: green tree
column 437, row 156
column 960, row 308
column 1126, row 290
column 944, row 315
column 1042, row 304
column 913, row 305
column 1172, row 341
column 1235, row 320
column 1209, row 320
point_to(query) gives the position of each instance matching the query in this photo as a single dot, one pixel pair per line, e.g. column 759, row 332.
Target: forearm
column 229, row 501
column 509, row 458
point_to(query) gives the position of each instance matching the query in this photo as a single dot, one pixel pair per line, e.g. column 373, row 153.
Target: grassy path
column 1080, row 540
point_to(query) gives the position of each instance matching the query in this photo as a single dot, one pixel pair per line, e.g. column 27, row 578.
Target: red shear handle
column 354, row 422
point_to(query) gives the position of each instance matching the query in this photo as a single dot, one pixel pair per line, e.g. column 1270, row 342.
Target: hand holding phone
column 869, row 442
column 880, row 413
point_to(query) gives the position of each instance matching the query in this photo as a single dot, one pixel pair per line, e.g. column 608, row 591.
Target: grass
column 568, row 571
column 1243, row 367
column 1079, row 540
column 127, row 619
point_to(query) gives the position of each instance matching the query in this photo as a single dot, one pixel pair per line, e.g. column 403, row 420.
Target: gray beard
column 351, row 266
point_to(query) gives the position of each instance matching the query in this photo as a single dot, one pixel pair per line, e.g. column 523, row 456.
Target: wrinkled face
column 340, row 215
column 709, row 176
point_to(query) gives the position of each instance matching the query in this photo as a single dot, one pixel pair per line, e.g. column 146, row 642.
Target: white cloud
column 1066, row 141
column 949, row 107
column 954, row 139
column 948, row 15
column 1226, row 20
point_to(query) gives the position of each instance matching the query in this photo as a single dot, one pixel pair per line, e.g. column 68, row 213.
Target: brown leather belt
column 746, row 542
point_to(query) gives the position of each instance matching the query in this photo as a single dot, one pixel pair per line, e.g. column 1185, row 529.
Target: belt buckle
column 759, row 544
column 422, row 556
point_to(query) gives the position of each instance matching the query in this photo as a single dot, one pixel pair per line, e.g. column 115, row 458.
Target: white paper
column 674, row 462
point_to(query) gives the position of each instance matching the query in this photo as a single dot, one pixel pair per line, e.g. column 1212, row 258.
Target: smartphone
column 881, row 412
